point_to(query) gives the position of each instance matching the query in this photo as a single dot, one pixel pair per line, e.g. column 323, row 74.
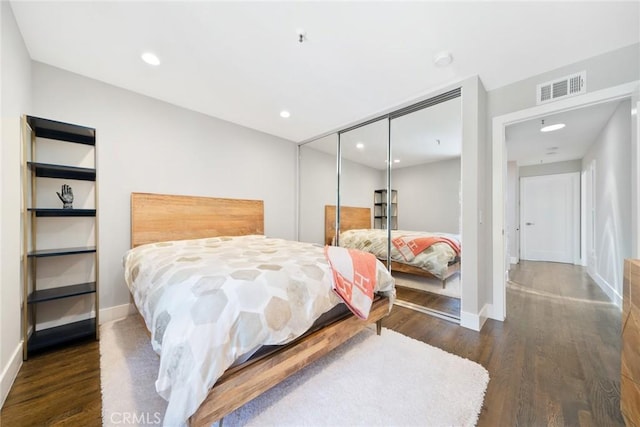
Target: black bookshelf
column 46, row 170
column 61, row 292
column 61, row 251
column 51, row 129
column 62, row 139
column 58, row 212
column 52, row 337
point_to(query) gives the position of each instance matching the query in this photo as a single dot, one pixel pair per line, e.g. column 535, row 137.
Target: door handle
column 529, row 223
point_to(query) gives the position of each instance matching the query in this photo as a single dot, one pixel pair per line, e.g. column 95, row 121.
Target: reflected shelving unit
column 380, row 209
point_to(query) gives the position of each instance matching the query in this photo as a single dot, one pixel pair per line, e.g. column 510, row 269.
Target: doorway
column 499, row 156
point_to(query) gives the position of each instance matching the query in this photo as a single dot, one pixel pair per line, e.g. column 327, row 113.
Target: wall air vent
column 572, row 85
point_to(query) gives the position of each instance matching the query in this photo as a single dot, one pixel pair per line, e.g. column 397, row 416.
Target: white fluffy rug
column 371, row 380
column 452, row 289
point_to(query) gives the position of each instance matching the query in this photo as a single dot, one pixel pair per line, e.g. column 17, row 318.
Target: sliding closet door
column 363, row 184
column 426, row 167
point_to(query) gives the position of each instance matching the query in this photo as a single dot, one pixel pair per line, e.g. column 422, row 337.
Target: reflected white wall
column 429, row 196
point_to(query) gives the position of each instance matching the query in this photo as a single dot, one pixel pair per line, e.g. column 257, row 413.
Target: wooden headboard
column 351, row 218
column 162, row 217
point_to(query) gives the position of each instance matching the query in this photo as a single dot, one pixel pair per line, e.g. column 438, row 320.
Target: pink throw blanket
column 410, row 246
column 354, row 274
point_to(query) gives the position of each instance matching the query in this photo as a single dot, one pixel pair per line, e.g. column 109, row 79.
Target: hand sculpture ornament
column 66, row 197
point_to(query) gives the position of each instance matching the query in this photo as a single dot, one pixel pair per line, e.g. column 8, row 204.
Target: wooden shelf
column 61, row 292
column 52, row 337
column 46, row 170
column 61, row 251
column 56, row 212
column 51, row 129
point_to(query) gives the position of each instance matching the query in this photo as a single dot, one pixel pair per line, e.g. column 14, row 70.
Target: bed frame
column 158, row 217
column 353, row 218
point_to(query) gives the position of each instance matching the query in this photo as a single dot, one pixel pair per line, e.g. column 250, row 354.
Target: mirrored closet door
column 363, row 181
column 392, row 187
column 426, row 247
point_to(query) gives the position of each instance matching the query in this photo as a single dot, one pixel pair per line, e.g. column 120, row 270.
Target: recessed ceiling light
column 442, row 59
column 551, row 128
column 360, row 145
column 150, row 58
column 396, row 161
column 285, row 114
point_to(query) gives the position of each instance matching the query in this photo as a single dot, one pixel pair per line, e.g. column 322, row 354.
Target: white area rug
column 387, row 380
column 452, row 289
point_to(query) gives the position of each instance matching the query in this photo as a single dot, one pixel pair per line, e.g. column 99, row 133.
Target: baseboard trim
column 10, row 372
column 485, row 314
column 491, row 313
column 613, row 295
column 117, row 312
column 475, row 321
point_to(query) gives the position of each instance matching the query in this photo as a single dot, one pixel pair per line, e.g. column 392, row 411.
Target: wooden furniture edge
column 629, row 353
column 165, row 217
column 238, row 387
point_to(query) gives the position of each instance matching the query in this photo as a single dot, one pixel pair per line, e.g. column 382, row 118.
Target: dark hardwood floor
column 58, row 388
column 554, row 361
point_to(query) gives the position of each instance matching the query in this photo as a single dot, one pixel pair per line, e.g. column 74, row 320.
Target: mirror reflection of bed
column 428, row 281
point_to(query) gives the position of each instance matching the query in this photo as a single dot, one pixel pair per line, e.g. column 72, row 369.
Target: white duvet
column 211, row 302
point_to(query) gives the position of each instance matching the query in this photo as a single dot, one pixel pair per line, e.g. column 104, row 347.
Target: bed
column 356, row 232
column 162, row 223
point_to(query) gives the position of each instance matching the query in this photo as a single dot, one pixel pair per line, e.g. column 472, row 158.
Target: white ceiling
column 528, row 146
column 241, row 61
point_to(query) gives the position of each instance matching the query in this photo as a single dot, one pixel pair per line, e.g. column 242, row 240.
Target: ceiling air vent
column 575, row 84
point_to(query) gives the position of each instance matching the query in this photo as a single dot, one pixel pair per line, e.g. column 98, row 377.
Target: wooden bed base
column 157, row 217
column 239, row 385
column 409, row 269
column 353, row 218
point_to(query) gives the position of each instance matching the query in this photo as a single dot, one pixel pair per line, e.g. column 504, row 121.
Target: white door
column 550, row 218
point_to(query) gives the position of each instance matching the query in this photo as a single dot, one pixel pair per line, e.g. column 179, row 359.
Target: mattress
column 209, row 303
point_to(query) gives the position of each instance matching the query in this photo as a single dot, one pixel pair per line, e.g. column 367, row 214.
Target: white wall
column 612, row 154
column 15, row 76
column 318, row 187
column 357, row 184
column 145, row 145
column 568, row 166
column 429, row 196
